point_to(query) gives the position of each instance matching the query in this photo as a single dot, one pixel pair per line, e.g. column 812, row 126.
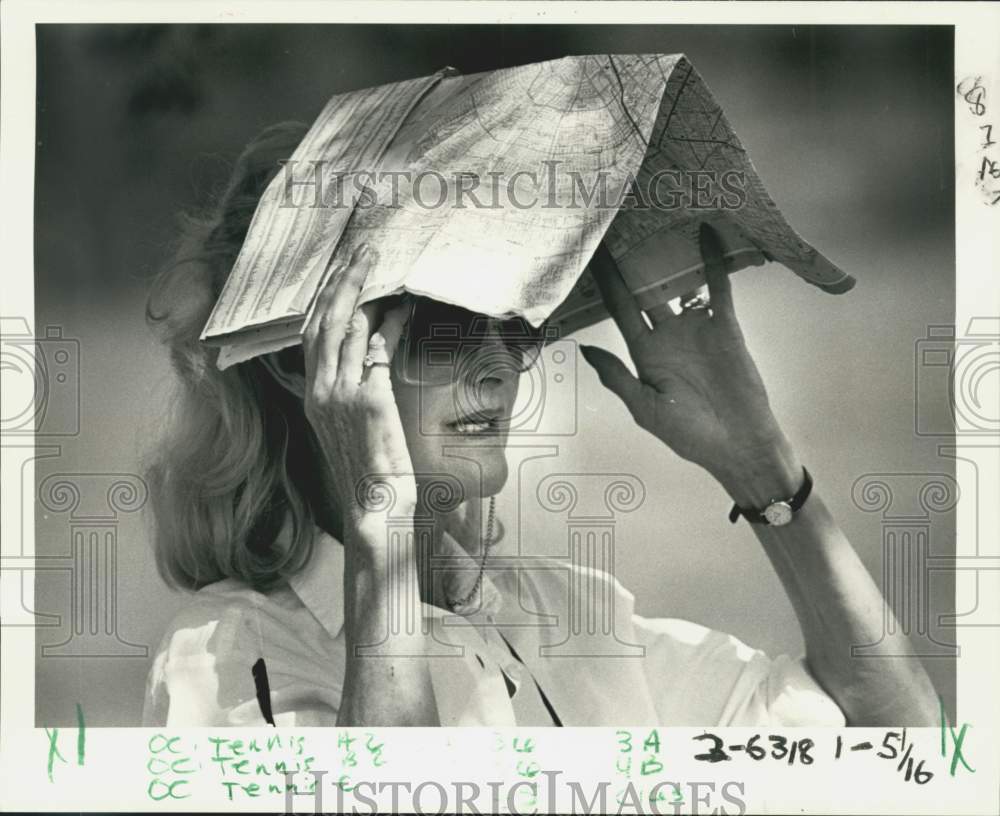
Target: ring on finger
column 659, row 313
column 699, row 303
column 377, row 354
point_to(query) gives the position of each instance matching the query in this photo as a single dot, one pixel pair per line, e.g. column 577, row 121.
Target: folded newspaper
column 492, row 192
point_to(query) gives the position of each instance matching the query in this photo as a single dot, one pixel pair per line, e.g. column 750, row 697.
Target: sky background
column 850, row 129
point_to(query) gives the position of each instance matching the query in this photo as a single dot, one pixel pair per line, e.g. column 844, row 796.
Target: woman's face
column 459, row 428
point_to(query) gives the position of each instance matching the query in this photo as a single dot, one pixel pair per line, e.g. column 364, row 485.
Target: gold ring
column 371, row 361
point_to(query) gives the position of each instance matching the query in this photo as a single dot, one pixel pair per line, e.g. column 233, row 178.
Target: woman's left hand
column 698, row 389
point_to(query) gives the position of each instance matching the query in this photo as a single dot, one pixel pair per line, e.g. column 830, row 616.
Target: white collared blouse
column 529, row 654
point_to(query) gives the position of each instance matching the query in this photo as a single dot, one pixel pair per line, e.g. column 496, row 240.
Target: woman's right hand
column 352, row 408
column 353, row 412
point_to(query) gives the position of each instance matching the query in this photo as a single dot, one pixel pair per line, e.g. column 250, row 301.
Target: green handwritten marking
column 375, row 750
column 678, row 796
column 524, row 747
column 81, row 736
column 651, row 765
column 956, row 741
column 53, row 736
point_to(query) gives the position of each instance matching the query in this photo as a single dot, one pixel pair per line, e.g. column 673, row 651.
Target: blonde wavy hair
column 237, row 455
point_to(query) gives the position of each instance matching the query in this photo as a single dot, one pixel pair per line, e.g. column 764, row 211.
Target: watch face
column 778, row 513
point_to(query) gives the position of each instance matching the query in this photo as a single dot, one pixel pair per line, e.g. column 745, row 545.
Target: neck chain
column 455, row 603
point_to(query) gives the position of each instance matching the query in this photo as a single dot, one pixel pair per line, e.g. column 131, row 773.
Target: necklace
column 455, row 603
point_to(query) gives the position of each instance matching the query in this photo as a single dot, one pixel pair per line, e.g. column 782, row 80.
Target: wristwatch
column 778, row 512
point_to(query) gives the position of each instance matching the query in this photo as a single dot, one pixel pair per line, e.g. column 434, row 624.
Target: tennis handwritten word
column 244, row 768
column 255, row 766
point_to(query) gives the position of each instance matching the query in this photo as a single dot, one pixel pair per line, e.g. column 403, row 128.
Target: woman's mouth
column 487, row 422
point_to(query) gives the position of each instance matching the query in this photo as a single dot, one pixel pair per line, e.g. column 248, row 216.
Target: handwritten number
column 973, row 93
column 889, row 735
column 375, row 750
column 780, row 750
column 715, row 754
column 975, row 96
column 526, row 747
column 989, row 168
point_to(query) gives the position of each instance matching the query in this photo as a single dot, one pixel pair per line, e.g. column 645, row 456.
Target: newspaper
column 492, row 191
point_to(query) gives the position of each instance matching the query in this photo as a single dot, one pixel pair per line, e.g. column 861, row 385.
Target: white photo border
column 117, row 773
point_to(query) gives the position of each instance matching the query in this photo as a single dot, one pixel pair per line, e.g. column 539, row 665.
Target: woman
column 299, row 495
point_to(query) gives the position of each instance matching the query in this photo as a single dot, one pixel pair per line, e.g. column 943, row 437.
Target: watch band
column 779, row 511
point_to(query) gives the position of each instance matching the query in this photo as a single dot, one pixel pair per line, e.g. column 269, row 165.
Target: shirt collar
column 320, row 586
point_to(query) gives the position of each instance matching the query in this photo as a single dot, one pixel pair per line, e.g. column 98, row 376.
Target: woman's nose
column 496, row 358
column 491, row 367
column 493, row 334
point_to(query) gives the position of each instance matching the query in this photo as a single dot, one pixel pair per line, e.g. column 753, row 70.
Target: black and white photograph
column 497, row 375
